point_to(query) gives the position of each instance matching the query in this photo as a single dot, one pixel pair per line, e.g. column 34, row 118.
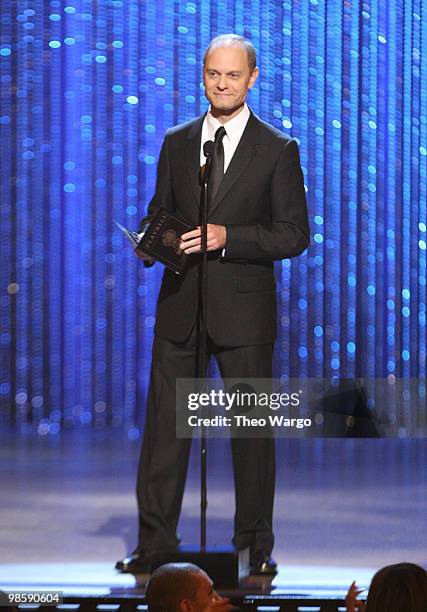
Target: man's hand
column 191, row 242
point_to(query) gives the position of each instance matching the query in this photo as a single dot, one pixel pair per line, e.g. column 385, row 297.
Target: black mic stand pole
column 202, row 355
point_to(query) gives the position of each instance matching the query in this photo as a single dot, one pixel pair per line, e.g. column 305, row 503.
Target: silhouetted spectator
column 395, row 588
column 183, row 587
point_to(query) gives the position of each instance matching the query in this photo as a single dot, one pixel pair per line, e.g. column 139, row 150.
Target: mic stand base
column 225, row 565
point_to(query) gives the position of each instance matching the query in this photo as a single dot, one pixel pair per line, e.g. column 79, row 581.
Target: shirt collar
column 234, row 128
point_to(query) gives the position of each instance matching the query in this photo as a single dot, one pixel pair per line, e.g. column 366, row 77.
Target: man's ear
column 185, row 605
column 253, row 77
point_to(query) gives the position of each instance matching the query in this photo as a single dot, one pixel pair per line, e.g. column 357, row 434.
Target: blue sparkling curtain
column 88, row 89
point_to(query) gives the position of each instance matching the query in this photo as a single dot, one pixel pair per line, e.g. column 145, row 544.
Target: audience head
column 182, row 587
column 398, row 588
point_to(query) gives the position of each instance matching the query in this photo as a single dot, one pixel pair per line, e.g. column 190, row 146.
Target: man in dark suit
column 257, row 214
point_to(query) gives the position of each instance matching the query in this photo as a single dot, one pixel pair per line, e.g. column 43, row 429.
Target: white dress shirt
column 234, row 130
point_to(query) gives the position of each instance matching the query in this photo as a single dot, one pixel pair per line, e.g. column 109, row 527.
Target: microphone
column 208, row 148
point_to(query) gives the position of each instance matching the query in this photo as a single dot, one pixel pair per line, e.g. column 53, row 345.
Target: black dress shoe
column 262, row 564
column 136, row 563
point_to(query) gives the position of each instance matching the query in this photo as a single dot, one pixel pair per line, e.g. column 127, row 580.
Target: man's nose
column 222, row 83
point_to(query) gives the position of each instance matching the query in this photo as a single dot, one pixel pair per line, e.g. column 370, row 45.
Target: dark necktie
column 217, row 166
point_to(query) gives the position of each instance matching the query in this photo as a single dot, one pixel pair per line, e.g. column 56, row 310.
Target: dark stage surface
column 343, row 509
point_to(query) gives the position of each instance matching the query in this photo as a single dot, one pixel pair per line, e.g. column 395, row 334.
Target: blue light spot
column 132, row 99
column 150, row 70
column 335, row 346
column 182, row 29
column 351, row 347
column 117, row 44
column 318, row 260
column 54, row 44
column 131, row 210
column 28, row 155
column 422, row 245
column 4, row 120
column 302, row 304
column 54, row 428
column 150, row 128
column 69, row 9
column 55, row 17
column 69, row 187
column 422, row 227
column 159, row 81
column 190, row 99
column 86, row 119
column 372, row 125
column 351, row 280
column 370, row 289
column 133, row 433
column 149, row 159
column 286, row 123
column 391, row 366
column 117, row 88
column 382, row 39
column 302, row 352
column 390, row 304
column 318, row 331
column 406, row 311
column 5, row 388
column 100, row 59
column 69, row 41
column 336, row 124
column 406, row 355
column 405, row 294
column 132, row 179
column 318, row 220
column 5, row 51
column 335, row 363
column 117, row 160
column 69, row 165
column 318, row 238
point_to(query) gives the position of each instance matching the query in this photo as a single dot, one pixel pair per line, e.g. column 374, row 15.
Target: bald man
column 183, row 587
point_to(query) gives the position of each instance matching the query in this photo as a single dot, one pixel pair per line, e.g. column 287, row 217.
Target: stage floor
column 343, row 509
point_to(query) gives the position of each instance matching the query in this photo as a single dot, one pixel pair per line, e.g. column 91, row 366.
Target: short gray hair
column 234, row 40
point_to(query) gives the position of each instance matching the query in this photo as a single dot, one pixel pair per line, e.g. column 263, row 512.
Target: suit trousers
column 164, row 458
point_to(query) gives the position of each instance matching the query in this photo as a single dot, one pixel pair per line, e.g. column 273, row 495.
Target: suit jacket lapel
column 246, row 149
column 192, row 155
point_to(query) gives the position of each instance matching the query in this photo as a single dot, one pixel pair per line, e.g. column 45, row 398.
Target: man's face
column 227, row 78
column 205, row 595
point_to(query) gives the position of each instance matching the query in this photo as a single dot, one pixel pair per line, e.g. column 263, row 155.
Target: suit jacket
column 262, row 203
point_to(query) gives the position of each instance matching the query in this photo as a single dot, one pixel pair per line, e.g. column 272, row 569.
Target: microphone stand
column 208, row 149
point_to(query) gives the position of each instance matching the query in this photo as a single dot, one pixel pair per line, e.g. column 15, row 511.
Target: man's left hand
column 191, row 242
